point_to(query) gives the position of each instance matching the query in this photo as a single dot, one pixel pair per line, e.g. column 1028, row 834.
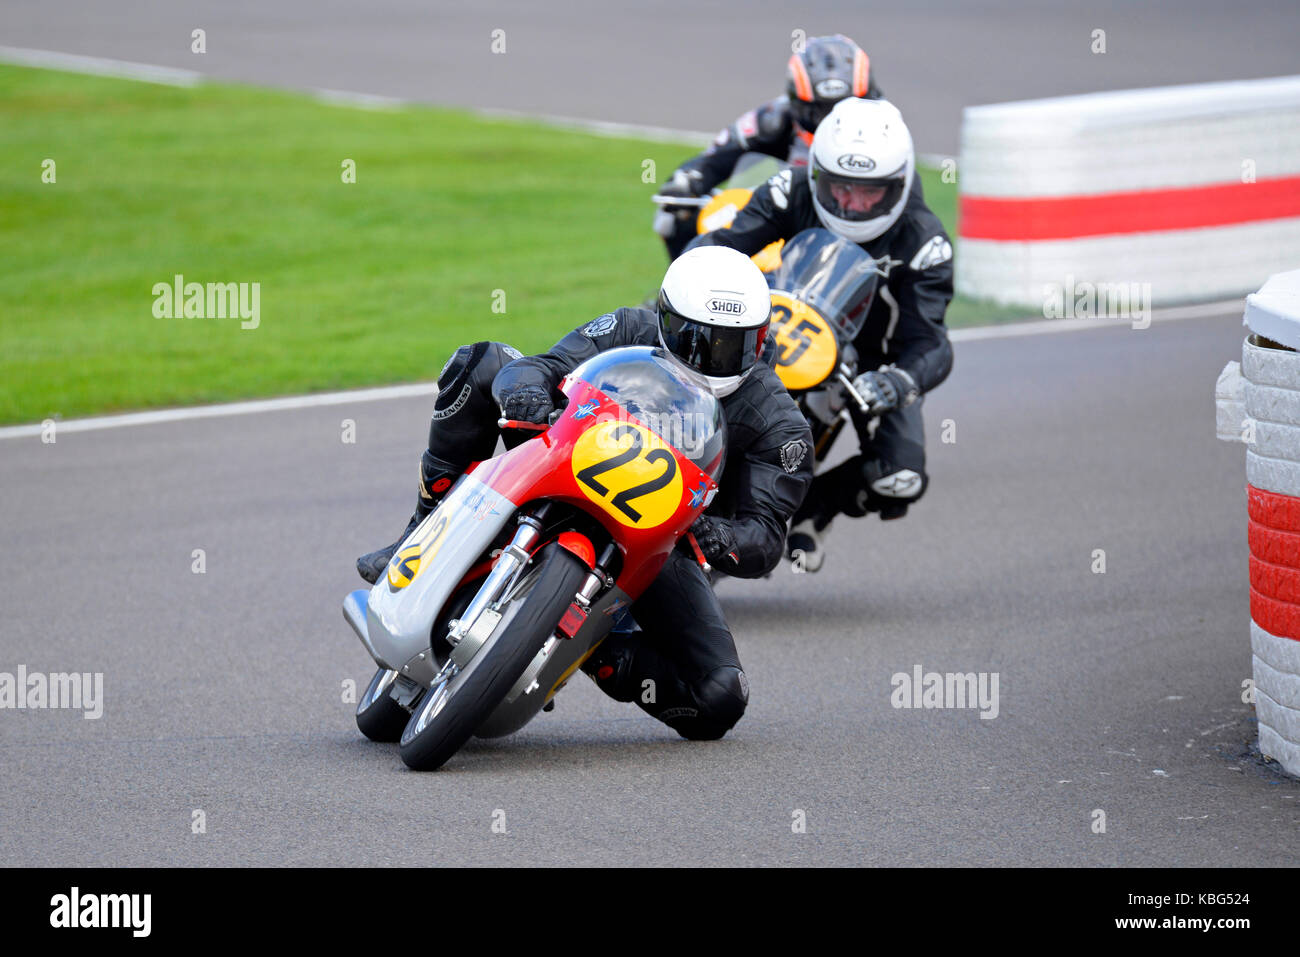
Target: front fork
column 467, row 633
column 825, row 436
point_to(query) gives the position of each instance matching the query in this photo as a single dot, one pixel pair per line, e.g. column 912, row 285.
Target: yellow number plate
column 806, row 352
column 629, row 472
column 405, row 565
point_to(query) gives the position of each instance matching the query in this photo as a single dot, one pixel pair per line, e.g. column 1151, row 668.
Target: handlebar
column 699, row 555
column 696, row 201
column 520, row 424
column 504, row 423
column 842, row 374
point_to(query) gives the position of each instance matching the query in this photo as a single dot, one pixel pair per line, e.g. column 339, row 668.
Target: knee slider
column 454, row 386
column 722, row 696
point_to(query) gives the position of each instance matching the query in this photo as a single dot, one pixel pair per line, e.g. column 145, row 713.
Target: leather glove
column 715, row 537
column 527, row 403
column 685, row 183
column 886, row 389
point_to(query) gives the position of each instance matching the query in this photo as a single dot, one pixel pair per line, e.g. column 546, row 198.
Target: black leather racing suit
column 682, row 667
column 904, row 327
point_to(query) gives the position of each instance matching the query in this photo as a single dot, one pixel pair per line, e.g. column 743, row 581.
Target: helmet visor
column 854, row 198
column 715, row 351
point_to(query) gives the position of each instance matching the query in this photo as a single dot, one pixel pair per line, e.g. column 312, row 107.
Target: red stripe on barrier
column 1275, row 581
column 1278, row 618
column 1274, row 547
column 1139, row 211
column 1273, row 510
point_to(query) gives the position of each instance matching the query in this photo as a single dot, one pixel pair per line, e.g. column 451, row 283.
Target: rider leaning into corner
column 685, row 647
column 827, row 70
column 858, row 185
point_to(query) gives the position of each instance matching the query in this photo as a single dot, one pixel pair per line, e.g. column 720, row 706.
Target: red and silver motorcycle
column 491, row 604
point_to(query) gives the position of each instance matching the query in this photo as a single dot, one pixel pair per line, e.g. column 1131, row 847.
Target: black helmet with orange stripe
column 828, row 70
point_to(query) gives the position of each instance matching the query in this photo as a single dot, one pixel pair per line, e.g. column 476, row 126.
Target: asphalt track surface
column 1118, row 691
column 685, row 64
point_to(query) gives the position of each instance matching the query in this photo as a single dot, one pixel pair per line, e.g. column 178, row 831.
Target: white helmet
column 714, row 309
column 861, row 168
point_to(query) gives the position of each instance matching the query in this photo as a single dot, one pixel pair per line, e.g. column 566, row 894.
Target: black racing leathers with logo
column 904, row 327
column 768, row 470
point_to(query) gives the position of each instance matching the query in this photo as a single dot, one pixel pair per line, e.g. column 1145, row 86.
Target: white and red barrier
column 1267, row 400
column 1192, row 189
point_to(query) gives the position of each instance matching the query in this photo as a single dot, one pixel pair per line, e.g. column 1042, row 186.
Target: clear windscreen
column 834, row 276
column 666, row 397
column 752, row 170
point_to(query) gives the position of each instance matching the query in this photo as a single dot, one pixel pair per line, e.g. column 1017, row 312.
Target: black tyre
column 379, row 717
column 447, row 717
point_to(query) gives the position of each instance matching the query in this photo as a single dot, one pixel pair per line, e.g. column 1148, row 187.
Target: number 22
column 622, row 499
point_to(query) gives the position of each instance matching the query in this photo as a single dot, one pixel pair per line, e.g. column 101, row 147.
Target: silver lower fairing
column 399, row 620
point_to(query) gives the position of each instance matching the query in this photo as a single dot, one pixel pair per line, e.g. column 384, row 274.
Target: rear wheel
column 458, row 703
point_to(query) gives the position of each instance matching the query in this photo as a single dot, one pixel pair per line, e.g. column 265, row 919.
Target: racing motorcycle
column 496, row 598
column 822, row 289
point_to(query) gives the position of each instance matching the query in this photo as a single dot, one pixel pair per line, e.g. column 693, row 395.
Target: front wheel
column 452, row 709
column 379, row 717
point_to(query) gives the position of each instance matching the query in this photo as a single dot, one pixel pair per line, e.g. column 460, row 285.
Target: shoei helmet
column 713, row 314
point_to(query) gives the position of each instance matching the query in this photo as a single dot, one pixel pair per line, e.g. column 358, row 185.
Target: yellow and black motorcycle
column 822, row 288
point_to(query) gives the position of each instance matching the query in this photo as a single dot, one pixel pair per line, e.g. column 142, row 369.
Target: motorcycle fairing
column 405, row 603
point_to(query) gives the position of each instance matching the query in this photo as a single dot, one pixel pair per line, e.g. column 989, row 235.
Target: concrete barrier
column 1188, row 193
column 1266, row 397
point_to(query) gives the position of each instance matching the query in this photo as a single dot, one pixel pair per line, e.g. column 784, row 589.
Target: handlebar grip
column 520, row 424
column 698, row 202
column 699, row 555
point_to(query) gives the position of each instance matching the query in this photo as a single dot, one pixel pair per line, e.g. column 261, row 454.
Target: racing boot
column 436, row 477
column 610, row 666
column 804, row 547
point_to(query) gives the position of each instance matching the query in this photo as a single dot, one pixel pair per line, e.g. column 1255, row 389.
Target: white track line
column 228, row 408
column 360, row 101
column 658, row 134
column 99, row 66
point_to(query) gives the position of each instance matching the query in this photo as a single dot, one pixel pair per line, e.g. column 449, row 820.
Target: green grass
column 361, row 284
